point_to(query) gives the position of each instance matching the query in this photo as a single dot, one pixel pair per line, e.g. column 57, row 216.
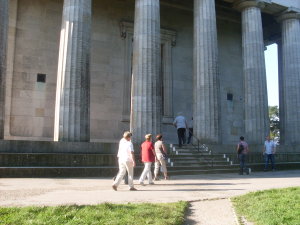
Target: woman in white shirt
column 161, row 155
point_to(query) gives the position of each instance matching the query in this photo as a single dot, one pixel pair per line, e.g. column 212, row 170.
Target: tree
column 274, row 122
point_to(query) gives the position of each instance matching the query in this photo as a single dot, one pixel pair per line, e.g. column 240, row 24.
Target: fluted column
column 255, row 83
column 145, row 98
column 290, row 23
column 3, row 47
column 206, row 85
column 72, row 119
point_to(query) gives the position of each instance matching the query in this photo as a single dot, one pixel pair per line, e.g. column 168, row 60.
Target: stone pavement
column 209, row 194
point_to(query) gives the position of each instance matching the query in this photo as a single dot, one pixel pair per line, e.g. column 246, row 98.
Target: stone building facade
column 83, row 70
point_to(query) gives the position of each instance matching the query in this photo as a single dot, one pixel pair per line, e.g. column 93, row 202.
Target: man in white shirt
column 181, row 125
column 269, row 153
column 126, row 161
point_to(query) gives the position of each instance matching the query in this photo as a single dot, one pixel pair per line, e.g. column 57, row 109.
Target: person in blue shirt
column 269, row 153
column 181, row 124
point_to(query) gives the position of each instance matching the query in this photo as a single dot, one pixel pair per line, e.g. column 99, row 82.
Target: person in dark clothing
column 181, row 125
column 191, row 130
column 242, row 151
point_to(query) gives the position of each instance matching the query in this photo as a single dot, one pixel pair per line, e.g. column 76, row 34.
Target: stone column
column 206, row 85
column 72, row 119
column 255, row 84
column 291, row 76
column 145, row 96
column 3, row 51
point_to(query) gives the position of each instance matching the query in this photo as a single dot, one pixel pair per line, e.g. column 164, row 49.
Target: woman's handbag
column 165, row 157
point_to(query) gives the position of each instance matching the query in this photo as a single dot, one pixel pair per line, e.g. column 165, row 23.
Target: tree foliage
column 274, row 122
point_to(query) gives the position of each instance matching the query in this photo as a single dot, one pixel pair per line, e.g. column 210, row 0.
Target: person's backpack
column 241, row 148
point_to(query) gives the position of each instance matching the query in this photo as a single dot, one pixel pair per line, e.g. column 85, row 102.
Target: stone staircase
column 188, row 160
column 185, row 160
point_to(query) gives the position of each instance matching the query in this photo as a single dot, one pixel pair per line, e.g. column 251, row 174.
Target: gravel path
column 211, row 212
column 209, row 194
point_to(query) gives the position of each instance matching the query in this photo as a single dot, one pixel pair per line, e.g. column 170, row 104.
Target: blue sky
column 271, row 58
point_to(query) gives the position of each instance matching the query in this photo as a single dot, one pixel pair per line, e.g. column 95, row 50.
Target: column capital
column 243, row 4
column 287, row 16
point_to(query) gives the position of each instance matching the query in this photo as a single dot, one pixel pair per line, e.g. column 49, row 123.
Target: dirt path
column 211, row 212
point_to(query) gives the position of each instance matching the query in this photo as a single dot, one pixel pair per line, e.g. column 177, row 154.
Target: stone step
column 258, row 167
column 94, row 171
column 194, row 154
column 58, row 171
column 175, row 163
column 282, row 165
column 188, row 157
column 56, row 159
column 78, row 161
column 198, row 166
column 189, row 146
column 15, row 172
column 194, row 172
column 190, row 150
column 258, row 157
column 111, row 171
column 105, row 165
column 198, row 160
column 48, row 159
column 191, row 154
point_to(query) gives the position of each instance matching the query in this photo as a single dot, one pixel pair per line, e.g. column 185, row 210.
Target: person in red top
column 148, row 157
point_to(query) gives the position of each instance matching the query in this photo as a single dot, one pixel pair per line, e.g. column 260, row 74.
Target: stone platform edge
column 14, row 146
column 21, row 146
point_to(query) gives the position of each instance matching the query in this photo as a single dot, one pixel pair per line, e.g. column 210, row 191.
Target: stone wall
column 231, row 81
column 182, row 64
column 36, row 43
column 33, row 49
column 12, row 146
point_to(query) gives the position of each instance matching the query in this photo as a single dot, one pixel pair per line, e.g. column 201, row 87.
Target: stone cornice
column 127, row 27
column 287, row 15
column 243, row 4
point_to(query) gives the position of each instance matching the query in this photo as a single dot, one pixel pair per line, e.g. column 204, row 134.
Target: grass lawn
column 164, row 214
column 271, row 207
